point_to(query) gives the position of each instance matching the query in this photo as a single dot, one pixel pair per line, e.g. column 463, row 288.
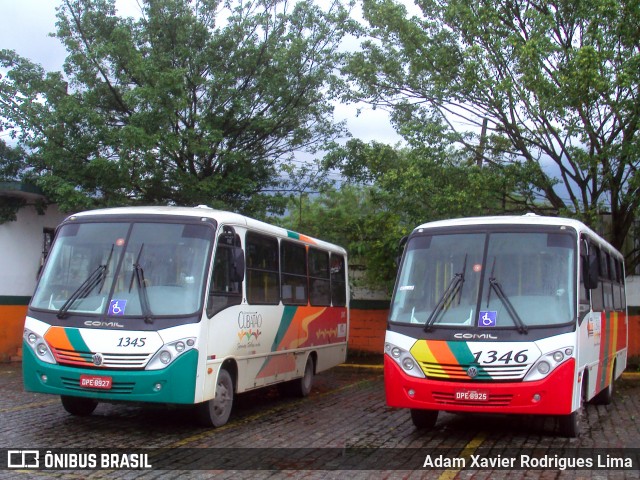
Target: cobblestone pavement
column 345, row 417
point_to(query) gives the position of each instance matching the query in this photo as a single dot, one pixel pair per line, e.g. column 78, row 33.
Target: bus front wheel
column 216, row 412
column 424, row 419
column 80, row 407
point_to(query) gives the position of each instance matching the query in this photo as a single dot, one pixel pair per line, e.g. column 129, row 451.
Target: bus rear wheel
column 424, row 419
column 216, row 412
column 80, row 407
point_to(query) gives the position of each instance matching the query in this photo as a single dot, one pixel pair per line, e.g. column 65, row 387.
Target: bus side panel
column 603, row 342
column 613, row 343
column 303, row 327
column 269, row 343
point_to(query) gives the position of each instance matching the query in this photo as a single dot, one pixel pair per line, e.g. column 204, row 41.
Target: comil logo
column 23, row 459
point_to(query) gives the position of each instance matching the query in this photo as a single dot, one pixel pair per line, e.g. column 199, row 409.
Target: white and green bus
column 182, row 306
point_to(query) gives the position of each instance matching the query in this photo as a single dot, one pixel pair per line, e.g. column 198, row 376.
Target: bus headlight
column 38, row 345
column 548, row 363
column 168, row 353
column 404, row 359
column 543, row 367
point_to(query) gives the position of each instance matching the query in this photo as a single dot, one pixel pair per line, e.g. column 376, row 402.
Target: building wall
column 21, row 244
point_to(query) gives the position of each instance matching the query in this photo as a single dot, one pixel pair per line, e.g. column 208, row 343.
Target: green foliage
column 11, row 161
column 389, row 191
column 549, row 88
column 9, row 207
column 194, row 102
column 349, row 216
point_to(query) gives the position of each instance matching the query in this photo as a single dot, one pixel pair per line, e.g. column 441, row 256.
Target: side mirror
column 237, row 265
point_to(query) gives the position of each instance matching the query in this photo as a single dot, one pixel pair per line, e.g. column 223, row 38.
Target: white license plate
column 472, row 396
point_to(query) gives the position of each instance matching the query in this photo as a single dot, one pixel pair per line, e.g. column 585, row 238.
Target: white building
column 23, row 244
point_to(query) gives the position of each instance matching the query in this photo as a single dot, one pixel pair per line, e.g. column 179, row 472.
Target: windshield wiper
column 95, row 278
column 138, row 272
column 495, row 285
column 455, row 286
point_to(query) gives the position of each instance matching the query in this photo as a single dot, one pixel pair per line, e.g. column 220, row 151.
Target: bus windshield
column 506, row 280
column 125, row 269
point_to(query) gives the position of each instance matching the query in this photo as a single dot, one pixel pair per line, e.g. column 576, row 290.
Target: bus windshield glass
column 505, row 280
column 125, row 269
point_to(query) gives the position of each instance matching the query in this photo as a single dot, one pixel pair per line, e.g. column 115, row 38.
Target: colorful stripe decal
column 68, row 346
column 301, row 327
column 445, row 359
column 613, row 323
column 299, row 236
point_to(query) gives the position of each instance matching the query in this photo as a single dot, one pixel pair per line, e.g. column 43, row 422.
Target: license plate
column 472, row 396
column 95, row 381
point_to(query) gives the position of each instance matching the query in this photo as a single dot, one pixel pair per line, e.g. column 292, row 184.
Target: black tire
column 216, row 412
column 301, row 387
column 78, row 406
column 570, row 425
column 424, row 419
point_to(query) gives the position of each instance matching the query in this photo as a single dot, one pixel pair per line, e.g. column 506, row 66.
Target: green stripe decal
column 291, row 234
column 76, row 340
column 285, row 323
column 463, row 355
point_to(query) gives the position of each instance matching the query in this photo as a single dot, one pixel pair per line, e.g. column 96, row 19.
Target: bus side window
column 338, row 281
column 263, row 272
column 618, row 286
column 319, row 278
column 597, row 299
column 228, row 272
column 584, row 272
column 293, row 263
column 606, row 279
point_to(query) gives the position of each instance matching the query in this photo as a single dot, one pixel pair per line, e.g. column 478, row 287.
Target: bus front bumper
column 550, row 396
column 174, row 384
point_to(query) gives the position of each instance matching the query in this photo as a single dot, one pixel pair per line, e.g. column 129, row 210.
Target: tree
column 10, row 158
column 196, row 101
column 349, row 216
column 387, row 191
column 553, row 87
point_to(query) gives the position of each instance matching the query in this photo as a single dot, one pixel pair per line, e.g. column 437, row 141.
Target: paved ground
column 342, row 430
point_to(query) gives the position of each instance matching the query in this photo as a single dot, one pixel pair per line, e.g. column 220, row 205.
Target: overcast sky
column 25, row 26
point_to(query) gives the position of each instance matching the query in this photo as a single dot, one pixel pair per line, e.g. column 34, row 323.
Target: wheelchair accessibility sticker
column 117, row 307
column 487, row 319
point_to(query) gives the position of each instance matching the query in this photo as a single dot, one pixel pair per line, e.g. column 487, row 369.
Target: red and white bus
column 508, row 315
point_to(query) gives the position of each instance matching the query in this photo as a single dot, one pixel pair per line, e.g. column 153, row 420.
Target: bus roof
column 527, row 219
column 203, row 211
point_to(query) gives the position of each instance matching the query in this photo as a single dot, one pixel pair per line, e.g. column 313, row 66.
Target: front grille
column 493, row 400
column 487, row 372
column 109, row 360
